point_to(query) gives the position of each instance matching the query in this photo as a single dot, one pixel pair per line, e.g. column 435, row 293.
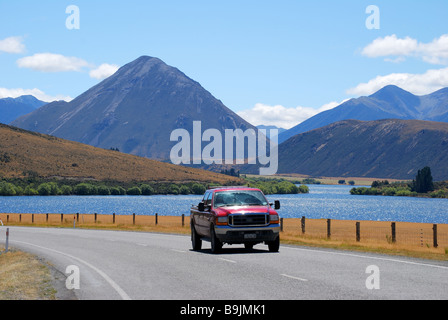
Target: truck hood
column 223, row 211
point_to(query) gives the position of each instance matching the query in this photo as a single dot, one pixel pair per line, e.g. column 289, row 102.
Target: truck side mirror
column 201, row 206
column 277, row 205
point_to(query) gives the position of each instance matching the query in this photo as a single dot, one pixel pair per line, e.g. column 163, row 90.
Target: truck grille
column 248, row 220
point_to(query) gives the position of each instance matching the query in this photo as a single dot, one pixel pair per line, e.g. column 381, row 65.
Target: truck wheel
column 274, row 246
column 216, row 244
column 196, row 241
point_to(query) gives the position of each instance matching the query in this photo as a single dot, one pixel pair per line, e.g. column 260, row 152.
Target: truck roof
column 227, row 188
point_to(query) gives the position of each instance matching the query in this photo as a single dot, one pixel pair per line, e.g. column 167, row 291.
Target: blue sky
column 272, row 62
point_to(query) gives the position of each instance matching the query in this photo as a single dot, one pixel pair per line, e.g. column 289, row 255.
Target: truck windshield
column 239, row 198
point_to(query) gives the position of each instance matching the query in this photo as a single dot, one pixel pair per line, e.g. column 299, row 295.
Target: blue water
column 323, row 202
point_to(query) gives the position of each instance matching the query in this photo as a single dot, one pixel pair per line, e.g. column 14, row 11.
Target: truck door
column 202, row 216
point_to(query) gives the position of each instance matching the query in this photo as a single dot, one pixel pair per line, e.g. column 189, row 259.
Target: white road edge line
column 227, row 260
column 179, row 251
column 295, row 278
column 116, row 287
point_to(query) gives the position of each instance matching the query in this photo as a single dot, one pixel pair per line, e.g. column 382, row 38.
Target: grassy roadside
column 24, row 277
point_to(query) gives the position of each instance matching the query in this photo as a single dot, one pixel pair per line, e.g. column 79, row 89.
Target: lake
column 323, row 202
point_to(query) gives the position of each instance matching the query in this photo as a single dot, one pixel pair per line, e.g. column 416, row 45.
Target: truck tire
column 216, row 244
column 274, row 246
column 196, row 241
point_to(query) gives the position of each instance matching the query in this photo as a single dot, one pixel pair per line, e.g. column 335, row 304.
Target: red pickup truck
column 235, row 215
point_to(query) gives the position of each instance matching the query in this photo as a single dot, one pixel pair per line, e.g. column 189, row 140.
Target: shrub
column 66, row 190
column 134, row 191
column 304, row 189
column 147, row 190
column 104, row 191
column 198, row 189
column 29, row 191
column 44, row 189
column 84, row 189
column 184, row 189
column 173, row 189
column 7, row 189
column 114, row 191
column 403, row 193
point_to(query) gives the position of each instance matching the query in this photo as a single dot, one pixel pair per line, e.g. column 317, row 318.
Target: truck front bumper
column 232, row 235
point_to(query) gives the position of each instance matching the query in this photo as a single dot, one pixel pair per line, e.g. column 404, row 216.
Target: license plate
column 250, row 236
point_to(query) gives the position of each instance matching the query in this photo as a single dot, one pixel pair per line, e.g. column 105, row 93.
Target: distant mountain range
column 12, row 108
column 394, row 149
column 135, row 110
column 269, row 128
column 391, row 102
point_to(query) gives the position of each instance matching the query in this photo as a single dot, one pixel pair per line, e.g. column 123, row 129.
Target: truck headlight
column 221, row 221
column 274, row 219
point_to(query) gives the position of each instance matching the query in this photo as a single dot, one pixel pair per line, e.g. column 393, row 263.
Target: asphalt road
column 148, row 266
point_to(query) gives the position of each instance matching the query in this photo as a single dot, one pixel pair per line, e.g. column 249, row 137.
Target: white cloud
column 14, row 93
column 12, row 45
column 50, row 62
column 419, row 84
column 103, row 71
column 435, row 52
column 390, row 46
column 281, row 116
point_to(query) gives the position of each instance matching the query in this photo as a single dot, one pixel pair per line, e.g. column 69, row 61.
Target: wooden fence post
column 434, row 232
column 281, row 224
column 302, row 222
column 157, row 218
column 133, row 218
column 394, row 235
column 77, row 217
column 62, row 217
column 113, row 218
column 328, row 228
column 46, row 218
column 95, row 216
column 32, row 218
column 183, row 220
column 358, row 231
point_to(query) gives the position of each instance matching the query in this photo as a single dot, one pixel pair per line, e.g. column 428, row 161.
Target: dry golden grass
column 49, row 157
column 24, row 277
column 359, row 181
column 412, row 239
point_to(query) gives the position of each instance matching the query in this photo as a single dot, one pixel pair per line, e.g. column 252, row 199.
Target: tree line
column 422, row 185
column 36, row 187
column 92, row 189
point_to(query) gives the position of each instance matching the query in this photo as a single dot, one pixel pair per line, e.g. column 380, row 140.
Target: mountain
column 12, row 108
column 394, row 149
column 391, row 102
column 135, row 110
column 24, row 153
column 268, row 128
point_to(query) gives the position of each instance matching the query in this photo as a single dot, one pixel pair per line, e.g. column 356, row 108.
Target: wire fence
column 375, row 232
